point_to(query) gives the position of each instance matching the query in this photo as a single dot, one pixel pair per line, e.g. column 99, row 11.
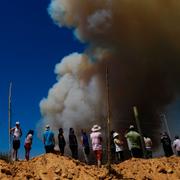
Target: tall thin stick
column 9, row 117
column 164, row 119
column 139, row 129
column 108, row 121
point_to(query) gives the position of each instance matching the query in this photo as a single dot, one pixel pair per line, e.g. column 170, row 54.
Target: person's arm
column 64, row 142
column 76, row 143
column 20, row 132
column 12, row 130
column 151, row 142
column 118, row 142
column 53, row 138
column 174, row 145
column 81, row 140
column 44, row 139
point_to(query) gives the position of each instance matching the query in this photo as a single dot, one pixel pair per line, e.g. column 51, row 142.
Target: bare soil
column 55, row 167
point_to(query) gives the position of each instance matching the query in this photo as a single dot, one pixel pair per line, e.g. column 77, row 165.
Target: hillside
column 54, row 167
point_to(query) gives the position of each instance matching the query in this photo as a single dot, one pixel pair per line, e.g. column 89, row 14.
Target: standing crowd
column 134, row 142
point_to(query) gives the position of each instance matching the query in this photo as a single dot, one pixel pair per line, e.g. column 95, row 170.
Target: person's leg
column 121, row 155
column 136, row 152
column 178, row 153
column 85, row 155
column 133, row 152
column 52, row 149
column 99, row 157
column 16, row 147
column 47, row 149
column 117, row 157
column 72, row 151
column 25, row 152
column 76, row 152
column 61, row 148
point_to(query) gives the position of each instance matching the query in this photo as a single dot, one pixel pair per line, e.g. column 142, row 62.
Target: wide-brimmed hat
column 115, row 134
column 96, row 128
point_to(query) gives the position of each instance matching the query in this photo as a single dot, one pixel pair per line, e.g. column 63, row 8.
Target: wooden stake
column 164, row 119
column 108, row 122
column 139, row 129
column 9, row 118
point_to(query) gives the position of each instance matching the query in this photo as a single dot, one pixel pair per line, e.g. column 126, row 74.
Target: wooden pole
column 108, row 122
column 9, row 118
column 164, row 119
column 139, row 129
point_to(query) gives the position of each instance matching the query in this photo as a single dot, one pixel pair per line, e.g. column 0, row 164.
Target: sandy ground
column 55, row 167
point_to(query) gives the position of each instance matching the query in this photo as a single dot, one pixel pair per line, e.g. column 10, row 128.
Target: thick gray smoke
column 72, row 101
column 138, row 39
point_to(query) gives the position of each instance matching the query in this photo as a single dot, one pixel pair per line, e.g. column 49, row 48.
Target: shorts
column 27, row 146
column 16, row 144
column 49, row 149
column 98, row 154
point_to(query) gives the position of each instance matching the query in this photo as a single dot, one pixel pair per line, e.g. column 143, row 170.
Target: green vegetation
column 4, row 156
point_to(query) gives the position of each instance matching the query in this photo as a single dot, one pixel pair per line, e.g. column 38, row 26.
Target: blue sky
column 30, row 46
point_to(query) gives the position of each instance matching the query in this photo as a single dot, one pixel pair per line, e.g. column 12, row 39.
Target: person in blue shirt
column 48, row 139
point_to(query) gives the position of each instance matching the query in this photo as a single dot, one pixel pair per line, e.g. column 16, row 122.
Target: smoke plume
column 139, row 41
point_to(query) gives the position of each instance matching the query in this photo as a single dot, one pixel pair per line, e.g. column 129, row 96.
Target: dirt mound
column 54, row 167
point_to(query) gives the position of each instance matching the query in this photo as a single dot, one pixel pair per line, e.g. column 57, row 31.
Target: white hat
column 115, row 134
column 17, row 123
column 96, row 128
column 47, row 126
column 131, row 127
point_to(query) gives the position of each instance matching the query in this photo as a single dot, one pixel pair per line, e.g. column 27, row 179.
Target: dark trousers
column 178, row 153
column 120, row 156
column 136, row 152
column 74, row 151
column 148, row 153
column 49, row 149
column 61, row 148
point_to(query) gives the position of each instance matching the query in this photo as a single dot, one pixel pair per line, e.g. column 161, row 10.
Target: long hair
column 30, row 132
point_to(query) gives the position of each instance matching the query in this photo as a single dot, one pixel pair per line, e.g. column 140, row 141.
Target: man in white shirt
column 176, row 145
column 17, row 133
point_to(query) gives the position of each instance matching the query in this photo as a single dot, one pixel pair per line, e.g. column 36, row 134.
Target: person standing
column 61, row 140
column 118, row 147
column 176, row 145
column 17, row 133
column 48, row 139
column 96, row 138
column 85, row 145
column 73, row 144
column 28, row 143
column 134, row 142
column 166, row 143
column 148, row 146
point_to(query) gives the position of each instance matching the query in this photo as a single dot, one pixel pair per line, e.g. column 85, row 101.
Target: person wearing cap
column 134, row 142
column 148, row 146
column 48, row 139
column 176, row 145
column 118, row 147
column 96, row 138
column 17, row 133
